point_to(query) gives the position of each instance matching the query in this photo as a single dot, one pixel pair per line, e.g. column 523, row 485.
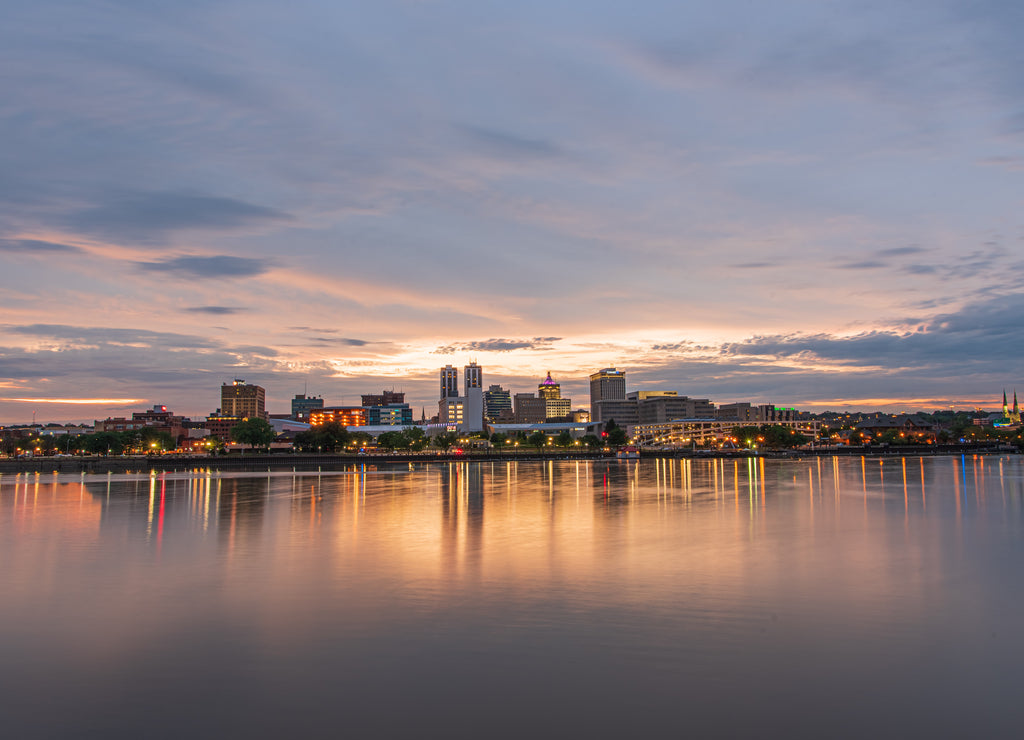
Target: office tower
column 608, row 397
column 556, row 407
column 449, row 382
column 549, row 389
column 243, row 401
column 474, row 407
column 497, row 405
column 303, row 404
column 607, row 385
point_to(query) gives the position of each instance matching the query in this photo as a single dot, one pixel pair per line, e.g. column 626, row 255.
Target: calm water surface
column 822, row 598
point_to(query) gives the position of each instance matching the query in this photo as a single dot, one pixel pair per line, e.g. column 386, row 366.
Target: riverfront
column 719, row 597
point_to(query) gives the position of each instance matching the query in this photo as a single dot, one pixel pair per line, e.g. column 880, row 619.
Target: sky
column 815, row 204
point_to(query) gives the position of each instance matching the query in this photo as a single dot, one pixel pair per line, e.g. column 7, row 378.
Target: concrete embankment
column 261, row 462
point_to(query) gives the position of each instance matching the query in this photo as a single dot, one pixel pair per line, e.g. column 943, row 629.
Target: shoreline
column 308, row 463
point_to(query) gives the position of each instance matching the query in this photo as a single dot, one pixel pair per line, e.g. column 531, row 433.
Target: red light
column 458, row 451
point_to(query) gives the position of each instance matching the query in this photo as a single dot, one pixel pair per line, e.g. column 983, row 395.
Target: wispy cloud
column 216, row 310
column 498, row 345
column 218, row 266
column 147, row 217
column 35, row 246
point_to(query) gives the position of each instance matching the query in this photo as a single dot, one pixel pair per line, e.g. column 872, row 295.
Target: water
column 825, row 598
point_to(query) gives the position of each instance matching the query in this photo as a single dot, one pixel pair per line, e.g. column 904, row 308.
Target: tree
column 415, row 439
column 592, row 441
column 331, row 437
column 102, row 443
column 393, row 441
column 153, row 440
column 445, row 440
column 253, row 432
column 564, row 439
column 499, row 440
column 538, row 439
column 614, row 434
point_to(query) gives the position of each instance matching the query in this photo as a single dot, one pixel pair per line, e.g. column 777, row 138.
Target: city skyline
column 811, row 205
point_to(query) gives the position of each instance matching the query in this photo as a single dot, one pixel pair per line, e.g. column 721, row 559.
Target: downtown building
column 461, row 413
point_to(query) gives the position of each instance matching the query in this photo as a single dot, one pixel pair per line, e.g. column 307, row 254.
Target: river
column 824, row 597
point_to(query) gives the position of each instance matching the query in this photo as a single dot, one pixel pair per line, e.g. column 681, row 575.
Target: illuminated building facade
column 556, row 408
column 608, row 397
column 347, row 416
column 242, row 400
column 449, row 382
column 392, row 414
column 498, row 405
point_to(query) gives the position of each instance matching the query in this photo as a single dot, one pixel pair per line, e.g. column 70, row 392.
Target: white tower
column 473, row 418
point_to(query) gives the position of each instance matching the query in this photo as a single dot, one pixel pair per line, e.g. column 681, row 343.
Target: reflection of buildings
column 462, row 511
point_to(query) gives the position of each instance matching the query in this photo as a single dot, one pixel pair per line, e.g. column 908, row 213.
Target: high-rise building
column 241, row 400
column 608, row 385
column 549, row 388
column 498, row 405
column 303, row 404
column 556, row 407
column 449, row 382
column 608, row 397
column 474, row 407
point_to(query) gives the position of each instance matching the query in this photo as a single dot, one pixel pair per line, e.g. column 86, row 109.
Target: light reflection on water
column 712, row 596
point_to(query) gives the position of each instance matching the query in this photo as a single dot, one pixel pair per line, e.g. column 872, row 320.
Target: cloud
column 150, row 216
column 96, row 335
column 346, row 341
column 209, row 267
column 865, row 265
column 981, row 335
column 505, row 145
column 216, row 310
column 35, row 246
column 900, row 251
column 498, row 345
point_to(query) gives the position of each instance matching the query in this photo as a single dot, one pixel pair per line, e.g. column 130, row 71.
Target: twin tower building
column 466, row 412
